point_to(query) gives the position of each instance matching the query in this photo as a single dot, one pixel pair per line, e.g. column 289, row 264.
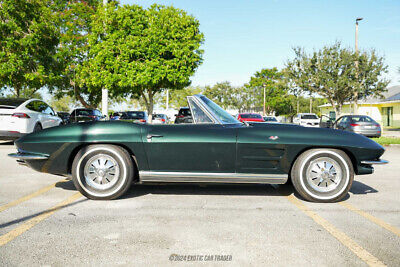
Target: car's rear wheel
column 37, row 128
column 102, row 171
column 322, row 175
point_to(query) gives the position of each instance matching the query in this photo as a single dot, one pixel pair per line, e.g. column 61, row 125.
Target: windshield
column 222, row 115
column 309, row 117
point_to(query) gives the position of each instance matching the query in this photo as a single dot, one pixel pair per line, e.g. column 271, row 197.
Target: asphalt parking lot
column 44, row 221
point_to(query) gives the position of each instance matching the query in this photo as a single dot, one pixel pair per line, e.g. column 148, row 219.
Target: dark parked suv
column 135, row 116
column 184, row 116
column 85, row 114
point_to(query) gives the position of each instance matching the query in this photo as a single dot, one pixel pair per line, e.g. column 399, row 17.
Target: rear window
column 159, row 116
column 362, row 119
column 85, row 112
column 270, row 119
column 309, row 117
column 251, row 116
column 11, row 102
column 185, row 112
column 135, row 115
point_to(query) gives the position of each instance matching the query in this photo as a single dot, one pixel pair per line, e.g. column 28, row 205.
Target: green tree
column 222, row 93
column 65, row 103
column 177, row 98
column 331, row 73
column 28, row 41
column 272, row 82
column 74, row 21
column 140, row 51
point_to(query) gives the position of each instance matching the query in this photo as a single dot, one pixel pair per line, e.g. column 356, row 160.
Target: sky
column 244, row 36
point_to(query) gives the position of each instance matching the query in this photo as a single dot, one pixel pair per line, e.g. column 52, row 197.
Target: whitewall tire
column 322, row 175
column 102, row 171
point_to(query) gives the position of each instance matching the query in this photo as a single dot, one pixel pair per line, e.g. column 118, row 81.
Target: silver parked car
column 360, row 124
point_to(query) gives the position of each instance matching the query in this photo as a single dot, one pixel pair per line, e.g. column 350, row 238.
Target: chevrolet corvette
column 105, row 158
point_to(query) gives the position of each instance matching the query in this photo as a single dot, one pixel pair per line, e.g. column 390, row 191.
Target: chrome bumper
column 27, row 156
column 381, row 161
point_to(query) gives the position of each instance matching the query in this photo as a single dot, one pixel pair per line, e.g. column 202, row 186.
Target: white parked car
column 306, row 119
column 20, row 116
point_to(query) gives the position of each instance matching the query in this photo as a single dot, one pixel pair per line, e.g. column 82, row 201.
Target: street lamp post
column 104, row 91
column 264, row 100
column 355, row 111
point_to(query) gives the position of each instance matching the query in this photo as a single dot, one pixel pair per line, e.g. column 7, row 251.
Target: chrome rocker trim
column 200, row 177
column 381, row 161
column 27, row 156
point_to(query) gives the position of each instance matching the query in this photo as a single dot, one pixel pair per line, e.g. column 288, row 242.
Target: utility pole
column 355, row 108
column 167, row 105
column 104, row 91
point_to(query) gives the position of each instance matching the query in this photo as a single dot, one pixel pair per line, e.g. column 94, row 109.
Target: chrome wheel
column 324, row 174
column 101, row 172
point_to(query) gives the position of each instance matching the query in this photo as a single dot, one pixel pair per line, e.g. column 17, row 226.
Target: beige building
column 386, row 111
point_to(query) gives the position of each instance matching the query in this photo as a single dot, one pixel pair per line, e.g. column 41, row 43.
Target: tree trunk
column 81, row 99
column 17, row 90
column 355, row 104
column 338, row 110
column 310, row 104
column 149, row 101
column 298, row 105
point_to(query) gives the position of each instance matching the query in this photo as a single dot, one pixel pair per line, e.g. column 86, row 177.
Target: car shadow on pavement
column 68, row 185
column 209, row 189
column 359, row 188
column 7, row 143
column 26, row 218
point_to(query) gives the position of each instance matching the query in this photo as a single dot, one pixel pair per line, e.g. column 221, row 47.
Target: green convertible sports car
column 104, row 158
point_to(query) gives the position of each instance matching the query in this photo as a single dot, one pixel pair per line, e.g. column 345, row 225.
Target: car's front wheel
column 322, row 175
column 102, row 171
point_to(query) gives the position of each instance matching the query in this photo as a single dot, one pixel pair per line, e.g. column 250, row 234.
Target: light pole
column 355, row 111
column 167, row 106
column 104, row 91
column 264, row 100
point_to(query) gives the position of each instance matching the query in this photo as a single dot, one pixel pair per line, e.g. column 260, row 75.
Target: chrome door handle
column 149, row 136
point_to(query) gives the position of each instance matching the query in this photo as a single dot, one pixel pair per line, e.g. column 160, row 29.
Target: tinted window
column 12, row 102
column 37, row 106
column 251, row 116
column 309, row 117
column 362, row 119
column 345, row 120
column 160, row 116
column 185, row 112
column 48, row 110
column 135, row 115
column 84, row 112
column 270, row 119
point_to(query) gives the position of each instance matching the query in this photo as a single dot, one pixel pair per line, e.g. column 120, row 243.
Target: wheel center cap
column 101, row 173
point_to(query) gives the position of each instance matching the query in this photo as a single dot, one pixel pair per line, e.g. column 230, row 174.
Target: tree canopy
column 28, row 41
column 275, row 91
column 74, row 21
column 139, row 52
column 331, row 73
